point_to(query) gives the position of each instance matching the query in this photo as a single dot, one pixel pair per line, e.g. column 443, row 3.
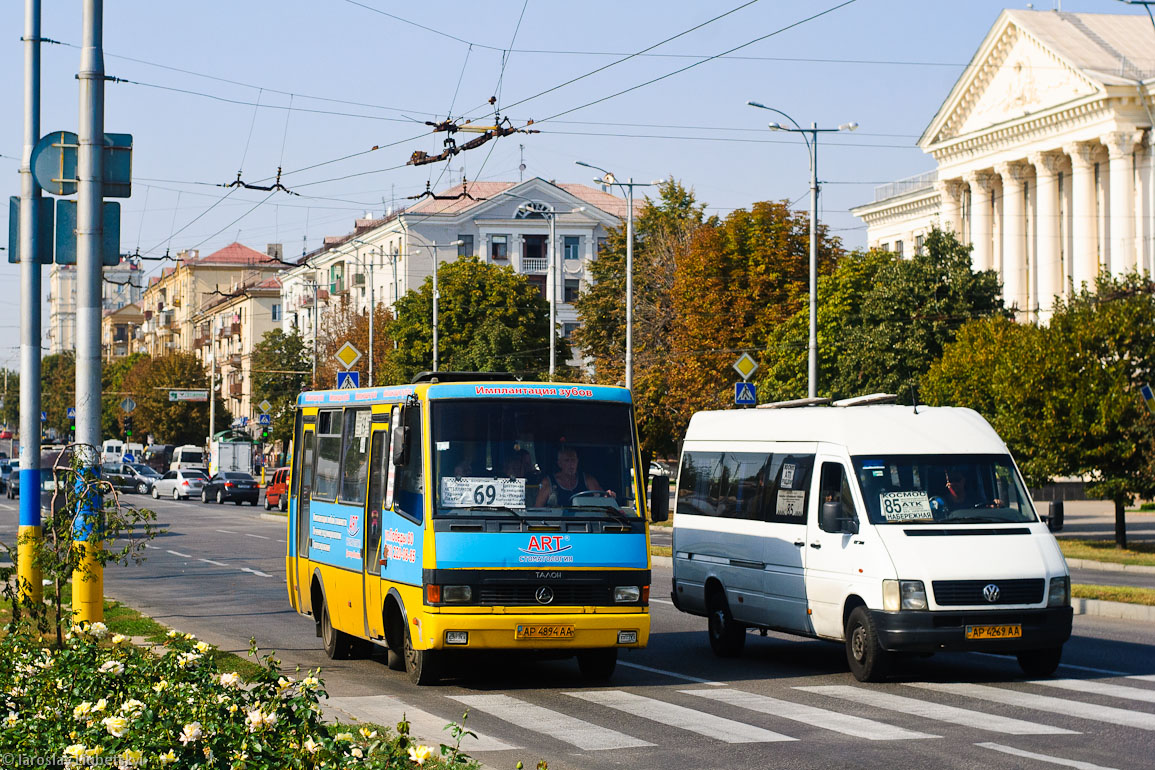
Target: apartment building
column 123, row 285
column 120, row 332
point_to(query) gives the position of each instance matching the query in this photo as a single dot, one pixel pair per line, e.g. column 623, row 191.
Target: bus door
column 301, row 493
column 374, row 515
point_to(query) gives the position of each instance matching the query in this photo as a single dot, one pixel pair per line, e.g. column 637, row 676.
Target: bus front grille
column 559, row 594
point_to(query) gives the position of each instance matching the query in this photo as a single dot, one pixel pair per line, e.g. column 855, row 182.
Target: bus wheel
column 598, row 665
column 338, row 644
column 423, row 666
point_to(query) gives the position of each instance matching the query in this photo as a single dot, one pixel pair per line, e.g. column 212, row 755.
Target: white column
column 981, row 183
column 1014, row 237
column 1122, row 180
column 1048, row 263
column 950, row 194
column 1084, row 217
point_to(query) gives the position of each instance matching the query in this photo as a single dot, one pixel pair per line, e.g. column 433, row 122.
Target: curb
column 281, row 517
column 1110, row 566
column 1120, row 610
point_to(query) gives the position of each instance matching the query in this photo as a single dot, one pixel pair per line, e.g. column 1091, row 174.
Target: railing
column 534, row 264
column 911, row 184
column 237, row 389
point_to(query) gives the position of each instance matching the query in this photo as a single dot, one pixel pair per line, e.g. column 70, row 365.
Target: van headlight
column 1059, row 592
column 627, row 594
column 903, row 595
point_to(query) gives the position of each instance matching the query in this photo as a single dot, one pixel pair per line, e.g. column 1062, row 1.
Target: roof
column 879, row 429
column 273, row 282
column 234, row 254
column 482, row 191
column 1114, row 48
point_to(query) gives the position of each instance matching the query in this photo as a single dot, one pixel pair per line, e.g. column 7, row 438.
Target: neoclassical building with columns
column 1044, row 158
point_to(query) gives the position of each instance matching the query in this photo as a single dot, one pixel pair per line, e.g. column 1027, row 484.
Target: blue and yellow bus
column 466, row 512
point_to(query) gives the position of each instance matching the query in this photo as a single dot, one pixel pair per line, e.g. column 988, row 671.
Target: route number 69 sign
column 482, row 492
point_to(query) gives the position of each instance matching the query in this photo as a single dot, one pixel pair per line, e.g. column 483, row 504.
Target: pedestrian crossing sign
column 348, row 380
column 745, row 394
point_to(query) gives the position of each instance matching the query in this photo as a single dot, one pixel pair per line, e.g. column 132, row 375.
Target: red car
column 277, row 492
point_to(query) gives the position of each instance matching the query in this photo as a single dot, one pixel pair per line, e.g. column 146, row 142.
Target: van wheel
column 598, row 665
column 423, row 666
column 1040, row 663
column 868, row 661
column 338, row 644
column 727, row 636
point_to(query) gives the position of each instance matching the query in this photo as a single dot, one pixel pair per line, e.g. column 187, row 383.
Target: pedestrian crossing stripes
column 387, row 710
column 584, row 735
column 1047, row 703
column 937, row 711
column 1100, row 688
column 1062, row 761
column 817, row 717
column 718, row 728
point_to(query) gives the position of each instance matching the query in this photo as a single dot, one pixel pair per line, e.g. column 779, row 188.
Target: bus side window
column 378, row 470
column 409, row 494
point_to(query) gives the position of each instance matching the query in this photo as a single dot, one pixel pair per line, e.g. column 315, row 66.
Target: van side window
column 835, row 488
column 757, row 486
column 355, row 456
column 328, row 471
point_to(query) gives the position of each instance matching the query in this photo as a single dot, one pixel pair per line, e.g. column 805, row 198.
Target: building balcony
column 237, row 389
column 535, row 265
column 234, row 329
column 201, row 340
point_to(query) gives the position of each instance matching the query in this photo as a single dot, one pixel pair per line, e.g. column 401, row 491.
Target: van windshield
column 952, row 489
column 191, row 456
column 546, row 457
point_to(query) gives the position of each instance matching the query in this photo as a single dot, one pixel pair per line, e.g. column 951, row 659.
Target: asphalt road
column 786, row 703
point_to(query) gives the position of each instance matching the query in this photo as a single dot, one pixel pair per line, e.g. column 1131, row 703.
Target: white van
column 889, row 528
column 112, row 450
column 187, row 456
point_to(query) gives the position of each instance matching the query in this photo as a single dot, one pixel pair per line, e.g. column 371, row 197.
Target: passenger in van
column 561, row 487
column 958, row 494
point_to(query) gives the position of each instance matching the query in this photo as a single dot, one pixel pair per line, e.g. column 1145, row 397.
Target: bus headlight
column 903, row 595
column 1059, row 593
column 456, row 594
column 627, row 594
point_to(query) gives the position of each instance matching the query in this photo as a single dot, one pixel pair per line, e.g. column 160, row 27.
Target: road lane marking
column 937, row 711
column 1075, row 763
column 661, row 601
column 846, row 724
column 214, row 563
column 1143, row 677
column 577, row 732
column 256, row 572
column 674, row 674
column 7, row 507
column 1099, row 688
column 181, row 555
column 709, row 725
column 1070, row 708
column 280, row 541
column 259, row 537
column 227, row 531
column 387, row 710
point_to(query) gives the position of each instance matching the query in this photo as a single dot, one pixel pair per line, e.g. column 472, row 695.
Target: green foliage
column 10, row 411
column 489, row 319
column 171, row 422
column 57, row 389
column 112, row 388
column 99, row 699
column 281, row 369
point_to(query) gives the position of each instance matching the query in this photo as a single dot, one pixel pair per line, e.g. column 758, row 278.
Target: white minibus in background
column 187, row 456
column 888, row 528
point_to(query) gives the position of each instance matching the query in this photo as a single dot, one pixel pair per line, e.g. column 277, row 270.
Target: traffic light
column 127, row 424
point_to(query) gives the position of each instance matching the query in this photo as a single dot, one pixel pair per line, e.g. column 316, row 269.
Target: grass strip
column 1128, row 594
column 1138, row 553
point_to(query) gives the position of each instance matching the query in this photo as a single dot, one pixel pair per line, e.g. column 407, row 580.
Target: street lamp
column 372, row 307
column 628, row 188
column 436, row 295
column 812, row 147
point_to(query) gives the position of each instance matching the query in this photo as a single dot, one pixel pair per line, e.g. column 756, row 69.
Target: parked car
column 237, row 486
column 277, row 493
column 178, row 485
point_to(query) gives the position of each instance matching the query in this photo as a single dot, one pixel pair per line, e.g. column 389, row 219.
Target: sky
column 219, row 88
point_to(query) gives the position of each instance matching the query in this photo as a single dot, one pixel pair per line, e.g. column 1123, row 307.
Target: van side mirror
column 660, row 499
column 833, row 518
column 399, row 448
column 1055, row 516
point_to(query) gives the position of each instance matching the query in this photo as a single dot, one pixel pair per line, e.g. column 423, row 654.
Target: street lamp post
column 628, row 189
column 812, row 147
column 372, row 306
column 436, row 294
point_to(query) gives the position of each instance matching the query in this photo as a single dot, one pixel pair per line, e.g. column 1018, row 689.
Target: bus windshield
column 550, row 458
column 955, row 489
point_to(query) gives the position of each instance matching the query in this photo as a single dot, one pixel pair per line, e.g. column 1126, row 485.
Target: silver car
column 180, row 485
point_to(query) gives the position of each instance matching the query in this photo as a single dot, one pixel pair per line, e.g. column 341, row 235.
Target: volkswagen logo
column 544, row 594
column 991, row 592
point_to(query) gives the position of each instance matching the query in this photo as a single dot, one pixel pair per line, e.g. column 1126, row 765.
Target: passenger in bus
column 561, row 487
column 519, row 465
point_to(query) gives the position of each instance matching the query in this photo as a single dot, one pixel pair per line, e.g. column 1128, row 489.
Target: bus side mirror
column 399, row 449
column 660, row 498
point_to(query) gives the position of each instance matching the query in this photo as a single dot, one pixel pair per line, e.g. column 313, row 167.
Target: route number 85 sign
column 482, row 492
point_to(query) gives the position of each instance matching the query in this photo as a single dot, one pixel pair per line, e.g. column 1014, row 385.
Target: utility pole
column 88, row 579
column 30, row 289
column 212, row 390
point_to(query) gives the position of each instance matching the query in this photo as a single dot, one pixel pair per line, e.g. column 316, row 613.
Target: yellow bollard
column 88, row 585
column 27, row 545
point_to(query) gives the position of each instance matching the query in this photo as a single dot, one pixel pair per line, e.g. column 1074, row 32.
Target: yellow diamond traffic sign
column 348, row 355
column 745, row 366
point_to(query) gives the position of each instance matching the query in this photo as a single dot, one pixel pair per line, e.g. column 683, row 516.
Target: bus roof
column 487, row 389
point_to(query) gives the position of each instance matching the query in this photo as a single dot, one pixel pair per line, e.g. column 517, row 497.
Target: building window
column 898, row 248
column 539, row 282
column 601, row 245
column 276, row 312
column 884, row 246
column 571, row 247
column 918, row 241
column 568, row 328
column 465, row 248
column 572, row 290
column 499, row 247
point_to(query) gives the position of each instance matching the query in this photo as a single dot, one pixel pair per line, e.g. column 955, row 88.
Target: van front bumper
column 932, row 631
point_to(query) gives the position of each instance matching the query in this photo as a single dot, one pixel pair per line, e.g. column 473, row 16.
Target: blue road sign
column 46, row 225
column 264, row 419
column 66, row 233
column 348, row 380
column 44, row 417
column 129, row 457
column 72, row 412
column 745, row 394
column 1148, row 397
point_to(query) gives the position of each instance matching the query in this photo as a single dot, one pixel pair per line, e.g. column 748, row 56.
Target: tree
column 281, row 369
column 489, row 319
column 58, row 390
column 10, row 411
column 340, row 325
column 173, row 422
column 112, row 393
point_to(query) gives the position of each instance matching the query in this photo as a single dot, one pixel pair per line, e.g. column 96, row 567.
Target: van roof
column 874, row 429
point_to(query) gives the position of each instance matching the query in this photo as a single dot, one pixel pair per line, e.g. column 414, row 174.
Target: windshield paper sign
column 905, row 506
column 482, row 492
column 532, row 549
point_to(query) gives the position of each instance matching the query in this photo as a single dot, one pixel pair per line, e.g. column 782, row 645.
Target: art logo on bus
column 547, row 549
